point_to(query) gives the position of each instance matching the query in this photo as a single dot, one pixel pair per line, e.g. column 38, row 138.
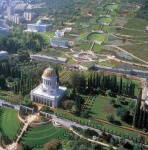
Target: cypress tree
column 140, row 119
column 137, row 111
column 96, row 81
column 120, row 86
column 144, row 119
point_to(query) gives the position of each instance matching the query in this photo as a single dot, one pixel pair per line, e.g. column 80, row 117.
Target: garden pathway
column 69, row 124
column 100, row 143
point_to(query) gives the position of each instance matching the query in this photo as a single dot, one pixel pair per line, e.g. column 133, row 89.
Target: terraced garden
column 104, row 19
column 38, row 136
column 96, row 36
column 111, row 6
column 131, row 32
column 139, row 50
column 9, row 122
column 136, row 23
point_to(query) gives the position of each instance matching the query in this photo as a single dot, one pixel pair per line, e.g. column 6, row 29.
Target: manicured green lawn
column 85, row 46
column 96, row 37
column 94, row 27
column 36, row 136
column 102, row 104
column 10, row 123
column 104, row 20
column 67, row 146
column 96, row 48
column 100, row 107
column 108, row 28
column 86, row 121
column 111, row 6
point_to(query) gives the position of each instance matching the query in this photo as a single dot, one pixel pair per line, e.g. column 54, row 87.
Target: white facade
column 10, row 12
column 3, row 53
column 49, row 92
column 39, row 26
column 28, row 15
column 59, row 33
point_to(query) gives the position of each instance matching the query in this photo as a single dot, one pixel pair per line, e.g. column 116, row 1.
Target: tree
column 83, row 147
column 145, row 115
column 140, row 119
column 46, row 109
column 23, row 147
column 121, row 99
column 108, row 92
column 120, row 86
column 85, row 113
column 110, row 118
column 27, row 103
column 54, row 144
column 78, row 81
column 112, row 102
column 131, row 104
column 23, row 56
column 67, row 104
column 137, row 111
column 74, row 109
column 2, row 82
column 123, row 113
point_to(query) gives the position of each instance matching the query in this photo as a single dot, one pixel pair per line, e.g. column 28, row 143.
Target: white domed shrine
column 49, row 92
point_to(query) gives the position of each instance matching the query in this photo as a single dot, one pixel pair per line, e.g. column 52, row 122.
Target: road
column 17, row 107
column 68, row 124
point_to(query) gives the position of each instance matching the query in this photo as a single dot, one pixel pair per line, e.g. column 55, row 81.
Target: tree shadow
column 91, row 112
column 116, row 122
column 129, row 120
column 117, row 105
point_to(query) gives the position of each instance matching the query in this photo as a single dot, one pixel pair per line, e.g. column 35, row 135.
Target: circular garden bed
column 111, row 6
column 96, row 36
column 104, row 20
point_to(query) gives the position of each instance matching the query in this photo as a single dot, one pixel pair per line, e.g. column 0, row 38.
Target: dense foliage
column 17, row 41
column 143, row 12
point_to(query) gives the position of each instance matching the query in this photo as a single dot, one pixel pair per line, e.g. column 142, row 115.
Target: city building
column 59, row 33
column 16, row 19
column 49, row 92
column 10, row 12
column 2, row 23
column 21, row 6
column 59, row 43
column 3, row 54
column 38, row 27
column 28, row 15
column 4, row 30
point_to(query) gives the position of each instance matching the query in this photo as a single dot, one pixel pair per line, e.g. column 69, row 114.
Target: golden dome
column 49, row 72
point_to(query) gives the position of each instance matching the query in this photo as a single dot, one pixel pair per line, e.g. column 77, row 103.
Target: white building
column 49, row 92
column 3, row 53
column 59, row 33
column 38, row 27
column 10, row 12
column 29, row 15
